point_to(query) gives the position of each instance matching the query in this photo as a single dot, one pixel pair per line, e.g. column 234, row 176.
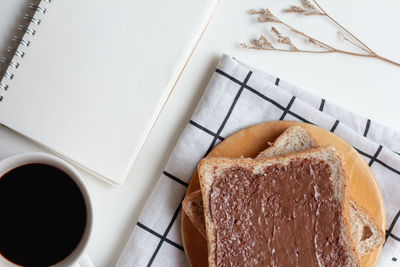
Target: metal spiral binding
column 25, row 29
column 32, row 19
column 37, row 8
column 16, row 52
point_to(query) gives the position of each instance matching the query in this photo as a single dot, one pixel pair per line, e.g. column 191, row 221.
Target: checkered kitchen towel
column 239, row 96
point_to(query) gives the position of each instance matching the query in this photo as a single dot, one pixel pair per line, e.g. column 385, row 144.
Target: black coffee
column 43, row 215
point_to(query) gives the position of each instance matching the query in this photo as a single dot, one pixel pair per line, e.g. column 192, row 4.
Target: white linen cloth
column 239, row 96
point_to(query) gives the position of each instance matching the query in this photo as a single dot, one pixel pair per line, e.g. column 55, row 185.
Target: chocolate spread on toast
column 284, row 216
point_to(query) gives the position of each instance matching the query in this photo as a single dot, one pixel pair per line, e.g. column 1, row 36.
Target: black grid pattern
column 375, row 159
column 242, row 86
column 335, row 125
column 256, row 92
column 287, row 111
column 216, row 136
column 180, row 181
column 163, row 238
column 367, row 125
column 159, row 236
column 206, row 130
column 287, row 108
column 322, row 105
column 389, row 231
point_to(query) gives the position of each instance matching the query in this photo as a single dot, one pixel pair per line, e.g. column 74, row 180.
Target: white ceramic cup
column 78, row 257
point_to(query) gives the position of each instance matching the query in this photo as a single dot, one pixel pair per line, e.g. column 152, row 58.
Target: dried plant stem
column 309, row 9
column 331, row 51
column 367, row 55
column 299, row 50
column 372, row 53
column 328, row 47
column 277, row 20
column 343, row 28
column 387, row 60
column 358, row 45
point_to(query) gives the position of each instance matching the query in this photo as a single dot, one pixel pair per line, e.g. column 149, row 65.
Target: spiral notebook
column 89, row 78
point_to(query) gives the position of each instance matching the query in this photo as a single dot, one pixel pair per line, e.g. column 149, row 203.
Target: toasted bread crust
column 285, row 144
column 192, row 205
column 346, row 207
column 377, row 233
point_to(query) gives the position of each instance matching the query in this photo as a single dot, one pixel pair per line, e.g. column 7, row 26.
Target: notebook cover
column 96, row 75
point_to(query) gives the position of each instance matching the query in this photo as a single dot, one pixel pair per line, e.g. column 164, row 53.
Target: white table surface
column 366, row 86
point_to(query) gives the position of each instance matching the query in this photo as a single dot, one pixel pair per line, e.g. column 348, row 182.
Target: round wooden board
column 249, row 142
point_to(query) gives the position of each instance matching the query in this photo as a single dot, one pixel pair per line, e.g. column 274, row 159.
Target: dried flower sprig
column 308, row 9
column 283, row 39
column 265, row 15
column 262, row 42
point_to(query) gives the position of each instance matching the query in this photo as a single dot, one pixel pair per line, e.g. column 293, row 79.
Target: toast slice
column 192, row 205
column 366, row 235
column 294, row 138
column 364, row 230
column 282, row 211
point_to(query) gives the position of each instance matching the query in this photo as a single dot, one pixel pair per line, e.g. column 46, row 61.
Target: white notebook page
column 96, row 74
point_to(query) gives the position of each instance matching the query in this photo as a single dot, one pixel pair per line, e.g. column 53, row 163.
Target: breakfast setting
column 199, row 133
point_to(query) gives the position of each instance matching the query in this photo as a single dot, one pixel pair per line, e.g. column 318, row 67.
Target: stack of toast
column 289, row 206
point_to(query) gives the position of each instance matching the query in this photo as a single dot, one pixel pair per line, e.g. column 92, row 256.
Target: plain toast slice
column 294, row 138
column 364, row 231
column 192, row 205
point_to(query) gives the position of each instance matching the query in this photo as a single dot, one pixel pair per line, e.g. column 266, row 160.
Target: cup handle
column 84, row 261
